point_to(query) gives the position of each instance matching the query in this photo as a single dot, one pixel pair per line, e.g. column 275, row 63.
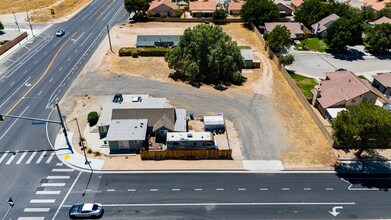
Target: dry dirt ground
column 304, row 145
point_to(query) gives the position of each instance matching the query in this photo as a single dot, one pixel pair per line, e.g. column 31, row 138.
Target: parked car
column 340, row 70
column 60, row 32
column 118, row 98
column 86, row 210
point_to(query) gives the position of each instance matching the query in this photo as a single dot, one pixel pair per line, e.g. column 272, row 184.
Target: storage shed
column 248, row 58
column 213, row 123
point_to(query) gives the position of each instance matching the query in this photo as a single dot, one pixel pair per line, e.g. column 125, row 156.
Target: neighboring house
column 296, row 4
column 157, row 40
column 377, row 5
column 381, row 20
column 382, row 82
column 320, row 27
column 248, row 57
column 284, row 9
column 190, row 141
column 341, row 89
column 234, row 7
column 162, row 8
column 294, row 27
column 204, row 7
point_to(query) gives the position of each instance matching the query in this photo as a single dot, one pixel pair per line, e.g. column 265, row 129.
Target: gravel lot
column 271, row 123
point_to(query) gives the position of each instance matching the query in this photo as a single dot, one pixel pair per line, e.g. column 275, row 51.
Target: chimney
column 317, row 28
column 315, row 94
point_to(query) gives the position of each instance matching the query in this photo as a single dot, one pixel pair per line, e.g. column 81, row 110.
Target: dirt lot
column 271, row 122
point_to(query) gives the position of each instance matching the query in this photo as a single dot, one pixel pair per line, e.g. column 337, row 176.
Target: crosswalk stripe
column 4, row 155
column 11, row 158
column 31, row 157
column 47, row 192
column 50, row 158
column 59, row 164
column 21, row 157
column 31, row 218
column 58, row 177
column 52, row 184
column 62, row 170
column 42, row 201
column 36, row 210
column 41, row 157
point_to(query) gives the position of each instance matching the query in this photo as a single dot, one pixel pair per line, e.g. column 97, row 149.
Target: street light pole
column 31, row 27
column 16, row 21
column 63, row 128
column 108, row 34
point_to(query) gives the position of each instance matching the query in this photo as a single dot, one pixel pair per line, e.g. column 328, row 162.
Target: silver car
column 86, row 210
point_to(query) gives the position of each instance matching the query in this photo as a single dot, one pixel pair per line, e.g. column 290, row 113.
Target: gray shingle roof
column 155, row 40
column 123, row 130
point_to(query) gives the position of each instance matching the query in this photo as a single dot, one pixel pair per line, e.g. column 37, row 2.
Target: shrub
column 97, row 153
column 287, row 60
column 197, row 15
column 92, row 118
column 153, row 52
column 89, row 151
column 126, row 51
column 134, row 53
column 178, row 13
column 1, row 26
column 219, row 14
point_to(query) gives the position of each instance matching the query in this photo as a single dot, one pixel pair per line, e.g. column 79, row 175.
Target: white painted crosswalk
column 26, row 157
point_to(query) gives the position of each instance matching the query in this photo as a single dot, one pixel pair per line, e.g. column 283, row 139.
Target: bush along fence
column 186, row 154
column 294, row 87
column 143, row 51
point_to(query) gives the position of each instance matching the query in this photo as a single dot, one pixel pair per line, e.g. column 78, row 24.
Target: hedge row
column 143, row 51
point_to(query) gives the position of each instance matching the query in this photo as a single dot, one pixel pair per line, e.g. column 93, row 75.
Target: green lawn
column 305, row 84
column 363, row 77
column 313, row 44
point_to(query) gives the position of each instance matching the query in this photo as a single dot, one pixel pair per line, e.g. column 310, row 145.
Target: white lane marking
column 59, row 164
column 76, row 50
column 362, row 189
column 24, row 72
column 56, row 43
column 36, row 210
column 21, row 157
column 242, row 189
column 45, row 53
column 4, row 155
column 263, row 189
column 47, row 192
column 31, row 218
column 60, row 69
column 153, row 190
column 66, row 196
column 31, row 157
column 69, row 59
column 12, row 83
column 110, row 190
column 50, row 158
column 75, row 40
column 131, row 190
column 57, row 177
column 285, row 189
column 85, row 39
column 176, row 189
column 41, row 157
column 63, row 170
column 16, row 91
column 307, row 189
column 36, row 62
column 198, row 189
column 220, row 189
column 40, row 93
column 11, row 158
column 52, row 184
column 329, row 189
column 51, row 80
column 42, row 201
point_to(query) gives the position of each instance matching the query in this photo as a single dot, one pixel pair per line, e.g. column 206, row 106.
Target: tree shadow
column 368, row 172
column 197, row 83
column 350, row 55
column 247, row 26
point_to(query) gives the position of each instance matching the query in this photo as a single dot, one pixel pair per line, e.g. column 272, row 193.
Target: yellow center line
column 43, row 75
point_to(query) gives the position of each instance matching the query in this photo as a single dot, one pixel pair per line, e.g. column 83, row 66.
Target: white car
column 86, row 210
column 60, row 32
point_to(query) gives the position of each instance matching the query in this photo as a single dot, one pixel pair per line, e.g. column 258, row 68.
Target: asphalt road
column 42, row 70
column 232, row 196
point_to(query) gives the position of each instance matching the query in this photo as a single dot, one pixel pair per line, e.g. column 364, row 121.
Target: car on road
column 60, row 32
column 340, row 70
column 86, row 210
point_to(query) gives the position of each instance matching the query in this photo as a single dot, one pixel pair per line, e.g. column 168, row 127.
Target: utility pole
column 108, row 33
column 16, row 21
column 31, row 27
column 63, row 128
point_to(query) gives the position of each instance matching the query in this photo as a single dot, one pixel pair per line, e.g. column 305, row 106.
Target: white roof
column 247, row 54
column 127, row 130
column 333, row 112
column 87, row 207
column 180, row 123
column 213, row 120
column 189, row 136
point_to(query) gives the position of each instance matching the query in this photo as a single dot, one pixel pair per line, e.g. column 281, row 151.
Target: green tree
column 385, row 11
column 207, row 52
column 368, row 13
column 1, row 26
column 139, row 7
column 311, row 11
column 344, row 32
column 259, row 11
column 92, row 118
column 379, row 38
column 287, row 60
column 365, row 127
column 279, row 39
column 219, row 14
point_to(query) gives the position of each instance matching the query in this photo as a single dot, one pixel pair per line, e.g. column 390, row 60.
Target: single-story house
column 284, row 9
column 382, row 20
column 377, row 5
column 382, row 82
column 295, row 28
column 162, row 8
column 344, row 88
column 190, row 141
column 157, row 40
column 248, row 57
column 234, row 7
column 214, row 123
column 296, row 4
column 204, row 7
column 321, row 26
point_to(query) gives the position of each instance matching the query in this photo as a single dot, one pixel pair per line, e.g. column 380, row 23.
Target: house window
column 353, row 101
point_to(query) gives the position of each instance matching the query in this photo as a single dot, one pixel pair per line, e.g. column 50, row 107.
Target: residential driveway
column 314, row 64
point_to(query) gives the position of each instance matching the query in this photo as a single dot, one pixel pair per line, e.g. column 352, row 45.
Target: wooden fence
column 294, row 87
column 186, row 154
column 197, row 20
column 11, row 43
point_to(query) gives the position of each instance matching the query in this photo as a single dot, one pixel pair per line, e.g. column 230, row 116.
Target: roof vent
column 189, row 135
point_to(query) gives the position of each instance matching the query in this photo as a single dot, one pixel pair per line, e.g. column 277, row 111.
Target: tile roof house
column 234, row 7
column 294, row 27
column 162, row 8
column 382, row 20
column 341, row 89
column 296, row 4
column 284, row 9
column 382, row 82
column 204, row 7
column 321, row 26
column 377, row 5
